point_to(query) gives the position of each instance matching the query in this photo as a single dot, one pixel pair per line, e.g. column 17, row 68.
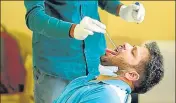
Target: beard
column 111, row 60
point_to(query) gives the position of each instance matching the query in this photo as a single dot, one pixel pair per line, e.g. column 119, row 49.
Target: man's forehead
column 144, row 50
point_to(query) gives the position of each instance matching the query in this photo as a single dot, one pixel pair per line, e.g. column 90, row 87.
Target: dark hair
column 153, row 69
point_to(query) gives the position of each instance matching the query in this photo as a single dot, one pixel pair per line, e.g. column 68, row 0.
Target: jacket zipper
column 83, row 41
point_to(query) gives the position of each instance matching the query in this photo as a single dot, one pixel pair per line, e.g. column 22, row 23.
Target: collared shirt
column 81, row 90
column 54, row 52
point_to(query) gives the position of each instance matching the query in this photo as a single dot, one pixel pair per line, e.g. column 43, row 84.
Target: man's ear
column 132, row 76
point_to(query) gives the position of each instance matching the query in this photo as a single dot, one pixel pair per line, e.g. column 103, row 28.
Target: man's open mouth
column 116, row 51
column 109, row 51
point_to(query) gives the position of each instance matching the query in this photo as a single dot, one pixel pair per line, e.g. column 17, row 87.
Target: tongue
column 110, row 51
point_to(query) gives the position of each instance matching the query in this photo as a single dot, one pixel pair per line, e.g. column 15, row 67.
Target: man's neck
column 101, row 77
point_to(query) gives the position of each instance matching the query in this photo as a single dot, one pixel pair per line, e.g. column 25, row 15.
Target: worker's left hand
column 108, row 70
column 132, row 13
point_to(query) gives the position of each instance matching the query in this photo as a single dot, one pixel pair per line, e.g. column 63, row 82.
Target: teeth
column 117, row 50
column 120, row 47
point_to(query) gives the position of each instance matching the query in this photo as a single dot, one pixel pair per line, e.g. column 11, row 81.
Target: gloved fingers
column 134, row 15
column 84, row 33
column 141, row 11
column 85, row 36
column 89, row 32
column 81, row 37
column 138, row 15
column 99, row 24
column 93, row 27
column 140, row 19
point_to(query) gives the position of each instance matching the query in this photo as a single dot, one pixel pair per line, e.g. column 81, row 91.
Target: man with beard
column 140, row 69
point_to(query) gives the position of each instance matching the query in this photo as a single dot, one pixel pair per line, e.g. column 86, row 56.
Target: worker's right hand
column 87, row 27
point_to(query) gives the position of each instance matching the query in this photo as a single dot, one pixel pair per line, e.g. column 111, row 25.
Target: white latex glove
column 132, row 12
column 87, row 26
column 108, row 70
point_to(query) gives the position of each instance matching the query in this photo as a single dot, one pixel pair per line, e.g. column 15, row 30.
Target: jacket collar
column 118, row 83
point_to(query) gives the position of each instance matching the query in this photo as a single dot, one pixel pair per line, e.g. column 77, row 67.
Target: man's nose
column 127, row 46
